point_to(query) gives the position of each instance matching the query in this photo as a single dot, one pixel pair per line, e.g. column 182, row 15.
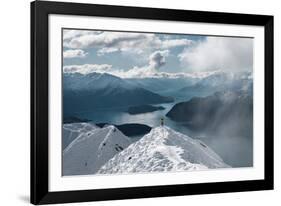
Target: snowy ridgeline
column 107, row 151
column 91, row 148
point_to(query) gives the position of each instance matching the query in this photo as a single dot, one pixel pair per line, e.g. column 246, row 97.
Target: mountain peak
column 163, row 149
column 92, row 149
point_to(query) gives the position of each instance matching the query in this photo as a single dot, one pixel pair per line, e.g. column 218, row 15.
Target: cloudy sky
column 128, row 54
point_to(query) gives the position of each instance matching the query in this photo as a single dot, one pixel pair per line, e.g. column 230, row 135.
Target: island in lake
column 144, row 109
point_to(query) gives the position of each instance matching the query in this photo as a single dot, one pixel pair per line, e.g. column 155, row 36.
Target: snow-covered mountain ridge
column 73, row 130
column 92, row 148
column 163, row 149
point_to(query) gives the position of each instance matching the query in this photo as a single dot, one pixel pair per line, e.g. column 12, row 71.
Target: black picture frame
column 40, row 109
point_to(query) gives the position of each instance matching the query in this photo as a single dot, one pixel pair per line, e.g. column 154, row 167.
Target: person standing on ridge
column 162, row 121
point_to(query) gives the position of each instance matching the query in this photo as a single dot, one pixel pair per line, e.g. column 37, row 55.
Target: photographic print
column 136, row 102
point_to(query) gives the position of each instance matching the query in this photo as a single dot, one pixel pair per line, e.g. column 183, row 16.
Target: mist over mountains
column 188, row 86
column 218, row 82
column 228, row 112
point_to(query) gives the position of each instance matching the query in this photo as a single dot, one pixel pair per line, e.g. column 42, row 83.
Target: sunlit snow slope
column 73, row 130
column 163, row 149
column 92, row 149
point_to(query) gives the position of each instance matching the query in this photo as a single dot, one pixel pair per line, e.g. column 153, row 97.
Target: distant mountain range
column 218, row 82
column 188, row 86
column 164, row 85
column 95, row 90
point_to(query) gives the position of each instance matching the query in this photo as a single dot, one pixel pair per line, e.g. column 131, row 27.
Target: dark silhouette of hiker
column 162, row 121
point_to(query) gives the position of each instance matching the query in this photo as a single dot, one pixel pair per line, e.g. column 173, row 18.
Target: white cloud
column 219, row 53
column 87, row 68
column 74, row 53
column 148, row 71
column 156, row 60
column 108, row 42
column 135, row 72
